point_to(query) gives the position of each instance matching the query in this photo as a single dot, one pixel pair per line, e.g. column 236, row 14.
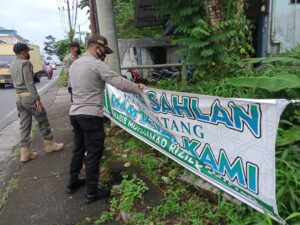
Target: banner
column 228, row 142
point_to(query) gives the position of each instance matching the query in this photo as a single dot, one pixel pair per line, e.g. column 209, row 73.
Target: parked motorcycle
column 136, row 78
column 161, row 74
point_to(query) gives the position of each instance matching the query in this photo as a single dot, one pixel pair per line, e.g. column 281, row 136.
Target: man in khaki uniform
column 29, row 104
column 69, row 59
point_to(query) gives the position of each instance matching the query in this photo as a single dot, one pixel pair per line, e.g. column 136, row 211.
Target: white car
column 53, row 66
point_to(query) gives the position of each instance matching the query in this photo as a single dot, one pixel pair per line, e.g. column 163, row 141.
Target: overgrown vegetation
column 63, row 79
column 124, row 17
column 181, row 204
column 220, row 55
column 214, row 50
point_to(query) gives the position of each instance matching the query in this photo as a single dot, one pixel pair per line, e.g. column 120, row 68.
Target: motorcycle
column 161, row 74
column 48, row 72
column 135, row 75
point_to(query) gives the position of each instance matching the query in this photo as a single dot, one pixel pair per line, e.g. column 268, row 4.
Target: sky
column 35, row 19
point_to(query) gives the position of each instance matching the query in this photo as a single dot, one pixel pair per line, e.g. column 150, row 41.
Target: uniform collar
column 88, row 54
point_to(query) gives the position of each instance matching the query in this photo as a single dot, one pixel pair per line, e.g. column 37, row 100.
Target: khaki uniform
column 22, row 76
column 68, row 60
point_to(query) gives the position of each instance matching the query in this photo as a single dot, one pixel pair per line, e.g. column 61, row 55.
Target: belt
column 24, row 94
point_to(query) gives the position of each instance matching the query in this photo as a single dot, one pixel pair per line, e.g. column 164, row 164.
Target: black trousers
column 88, row 137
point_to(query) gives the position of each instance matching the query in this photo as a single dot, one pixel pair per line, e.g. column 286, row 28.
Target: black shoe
column 102, row 193
column 79, row 183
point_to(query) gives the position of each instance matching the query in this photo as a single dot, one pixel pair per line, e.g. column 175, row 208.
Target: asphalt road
column 8, row 111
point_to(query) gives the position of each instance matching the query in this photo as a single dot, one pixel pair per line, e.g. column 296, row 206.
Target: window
column 295, row 1
column 5, row 60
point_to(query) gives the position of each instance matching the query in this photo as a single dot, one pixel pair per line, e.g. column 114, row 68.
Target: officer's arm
column 112, row 78
column 28, row 78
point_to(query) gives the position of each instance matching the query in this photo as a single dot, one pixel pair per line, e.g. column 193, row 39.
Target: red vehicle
column 135, row 75
column 48, row 72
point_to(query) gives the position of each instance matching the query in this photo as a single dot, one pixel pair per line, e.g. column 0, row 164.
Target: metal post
column 107, row 26
column 70, row 23
column 79, row 32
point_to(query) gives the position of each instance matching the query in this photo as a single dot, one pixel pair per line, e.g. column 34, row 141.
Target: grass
column 181, row 204
column 63, row 79
column 11, row 186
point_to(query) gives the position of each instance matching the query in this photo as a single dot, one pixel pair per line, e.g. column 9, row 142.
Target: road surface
column 8, row 111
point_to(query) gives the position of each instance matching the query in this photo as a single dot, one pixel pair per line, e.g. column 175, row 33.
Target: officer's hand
column 39, row 105
column 70, row 90
column 141, row 86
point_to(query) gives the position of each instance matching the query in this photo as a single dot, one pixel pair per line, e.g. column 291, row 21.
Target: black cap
column 100, row 40
column 74, row 44
column 19, row 47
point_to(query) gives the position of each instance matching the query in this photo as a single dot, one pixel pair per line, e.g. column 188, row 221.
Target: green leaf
column 293, row 215
column 207, row 52
column 198, row 30
column 289, row 136
column 272, row 84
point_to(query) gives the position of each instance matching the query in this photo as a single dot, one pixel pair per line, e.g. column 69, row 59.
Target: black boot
column 74, row 184
column 100, row 194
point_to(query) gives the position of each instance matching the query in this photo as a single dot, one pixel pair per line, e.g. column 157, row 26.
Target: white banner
column 228, row 142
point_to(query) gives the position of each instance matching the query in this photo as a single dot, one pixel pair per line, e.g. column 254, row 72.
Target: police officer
column 29, row 104
column 75, row 52
column 88, row 76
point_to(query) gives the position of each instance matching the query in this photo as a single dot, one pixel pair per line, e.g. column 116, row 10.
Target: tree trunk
column 240, row 8
column 92, row 18
column 213, row 11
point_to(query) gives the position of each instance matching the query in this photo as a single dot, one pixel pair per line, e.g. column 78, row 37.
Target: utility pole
column 107, row 27
column 70, row 22
column 69, row 14
column 106, row 23
column 92, row 18
column 79, row 31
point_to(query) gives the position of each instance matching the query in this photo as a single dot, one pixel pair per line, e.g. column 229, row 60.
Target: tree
column 49, row 45
column 214, row 34
column 213, row 11
column 62, row 48
column 83, row 3
column 71, row 34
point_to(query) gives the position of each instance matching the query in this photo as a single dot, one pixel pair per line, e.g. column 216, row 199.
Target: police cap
column 19, row 47
column 100, row 40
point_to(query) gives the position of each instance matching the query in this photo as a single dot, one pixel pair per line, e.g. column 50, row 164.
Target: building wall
column 8, row 39
column 284, row 23
column 12, row 38
column 138, row 52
